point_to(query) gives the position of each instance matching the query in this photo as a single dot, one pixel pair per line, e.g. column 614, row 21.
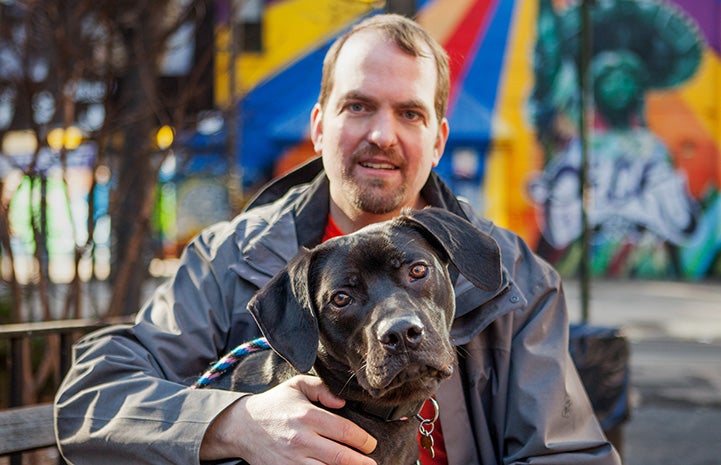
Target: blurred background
column 591, row 128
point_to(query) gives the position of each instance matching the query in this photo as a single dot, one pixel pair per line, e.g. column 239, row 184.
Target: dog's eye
column 340, row 299
column 418, row 271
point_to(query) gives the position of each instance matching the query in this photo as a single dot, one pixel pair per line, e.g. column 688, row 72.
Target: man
column 379, row 127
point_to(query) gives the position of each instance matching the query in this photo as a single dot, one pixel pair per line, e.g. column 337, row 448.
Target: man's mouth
column 378, row 165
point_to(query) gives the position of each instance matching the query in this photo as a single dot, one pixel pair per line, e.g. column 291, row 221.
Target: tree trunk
column 137, row 174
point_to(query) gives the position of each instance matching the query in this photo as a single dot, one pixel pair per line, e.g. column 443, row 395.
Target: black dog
column 370, row 312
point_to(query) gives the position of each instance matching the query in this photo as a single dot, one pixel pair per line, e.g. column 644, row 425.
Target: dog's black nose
column 398, row 334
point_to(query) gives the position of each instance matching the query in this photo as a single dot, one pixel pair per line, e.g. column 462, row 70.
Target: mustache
column 370, row 151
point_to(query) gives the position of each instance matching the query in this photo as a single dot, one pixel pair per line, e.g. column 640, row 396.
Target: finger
column 314, row 389
column 344, row 431
column 332, row 453
column 334, row 427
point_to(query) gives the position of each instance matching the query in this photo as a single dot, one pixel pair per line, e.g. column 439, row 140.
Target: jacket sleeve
column 549, row 418
column 126, row 399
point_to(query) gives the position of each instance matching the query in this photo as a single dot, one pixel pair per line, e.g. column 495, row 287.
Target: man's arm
column 115, row 406
column 138, row 418
column 126, row 398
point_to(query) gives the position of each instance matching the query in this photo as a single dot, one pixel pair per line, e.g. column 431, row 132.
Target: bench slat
column 26, row 428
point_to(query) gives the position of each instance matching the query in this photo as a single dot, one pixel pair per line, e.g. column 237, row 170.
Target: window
column 248, row 31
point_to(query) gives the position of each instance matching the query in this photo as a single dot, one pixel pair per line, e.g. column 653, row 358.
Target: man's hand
column 281, row 426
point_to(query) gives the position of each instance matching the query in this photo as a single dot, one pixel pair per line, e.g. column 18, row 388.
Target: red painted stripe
column 461, row 43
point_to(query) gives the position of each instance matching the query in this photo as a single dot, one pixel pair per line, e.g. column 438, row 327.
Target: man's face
column 378, row 134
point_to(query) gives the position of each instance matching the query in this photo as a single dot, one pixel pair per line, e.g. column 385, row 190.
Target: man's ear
column 441, row 139
column 316, row 128
column 284, row 313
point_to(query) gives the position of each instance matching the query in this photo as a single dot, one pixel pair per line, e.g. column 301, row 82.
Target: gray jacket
column 516, row 397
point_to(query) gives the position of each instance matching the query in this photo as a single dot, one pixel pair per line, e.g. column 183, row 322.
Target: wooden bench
column 23, row 429
column 28, row 428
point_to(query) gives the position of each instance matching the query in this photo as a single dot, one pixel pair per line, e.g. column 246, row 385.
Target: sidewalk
column 653, row 309
column 675, row 334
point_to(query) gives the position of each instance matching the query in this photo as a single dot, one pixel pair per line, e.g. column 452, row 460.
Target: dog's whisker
column 428, row 391
column 353, row 374
column 350, row 378
column 462, row 352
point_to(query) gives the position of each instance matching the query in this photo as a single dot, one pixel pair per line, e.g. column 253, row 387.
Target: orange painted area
column 692, row 148
column 441, row 18
column 294, row 157
column 702, row 96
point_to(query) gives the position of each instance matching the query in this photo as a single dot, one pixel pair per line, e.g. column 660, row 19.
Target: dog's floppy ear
column 474, row 253
column 284, row 312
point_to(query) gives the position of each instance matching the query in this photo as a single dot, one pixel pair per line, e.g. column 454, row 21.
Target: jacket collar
column 317, row 199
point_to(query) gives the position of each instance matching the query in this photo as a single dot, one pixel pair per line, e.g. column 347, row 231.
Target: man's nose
column 383, row 130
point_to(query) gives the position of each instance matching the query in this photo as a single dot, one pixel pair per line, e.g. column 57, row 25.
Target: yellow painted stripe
column 703, row 95
column 515, row 152
column 290, row 29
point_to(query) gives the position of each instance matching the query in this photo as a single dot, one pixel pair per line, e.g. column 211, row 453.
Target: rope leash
column 230, row 360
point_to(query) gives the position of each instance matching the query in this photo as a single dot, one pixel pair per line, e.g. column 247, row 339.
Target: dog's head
column 372, row 310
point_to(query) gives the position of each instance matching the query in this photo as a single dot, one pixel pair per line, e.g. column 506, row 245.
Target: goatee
column 373, row 199
column 375, row 196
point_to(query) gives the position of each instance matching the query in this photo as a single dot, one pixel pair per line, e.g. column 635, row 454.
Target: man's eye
column 411, row 115
column 356, row 107
column 341, row 299
column 418, row 271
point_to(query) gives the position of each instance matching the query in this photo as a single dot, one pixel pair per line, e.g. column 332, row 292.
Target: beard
column 375, row 196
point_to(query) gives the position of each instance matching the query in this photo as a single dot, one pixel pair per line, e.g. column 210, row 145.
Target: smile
column 378, row 166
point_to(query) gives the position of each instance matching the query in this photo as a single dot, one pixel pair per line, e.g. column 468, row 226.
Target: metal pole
column 584, row 82
column 235, row 179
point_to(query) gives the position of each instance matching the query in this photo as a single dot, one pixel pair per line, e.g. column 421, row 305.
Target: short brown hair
column 410, row 37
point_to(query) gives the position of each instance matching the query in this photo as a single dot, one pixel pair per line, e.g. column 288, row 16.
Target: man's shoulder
column 248, row 224
column 518, row 257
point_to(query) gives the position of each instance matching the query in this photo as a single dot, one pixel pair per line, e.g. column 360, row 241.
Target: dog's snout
column 398, row 334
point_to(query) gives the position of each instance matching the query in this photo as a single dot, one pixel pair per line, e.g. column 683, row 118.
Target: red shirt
column 332, row 230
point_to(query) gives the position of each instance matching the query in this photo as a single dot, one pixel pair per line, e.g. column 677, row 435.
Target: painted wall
column 654, row 145
column 655, row 163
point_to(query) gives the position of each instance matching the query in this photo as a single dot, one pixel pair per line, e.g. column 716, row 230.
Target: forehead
column 371, row 62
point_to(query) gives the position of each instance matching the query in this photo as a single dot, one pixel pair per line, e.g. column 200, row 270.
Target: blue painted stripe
column 485, row 72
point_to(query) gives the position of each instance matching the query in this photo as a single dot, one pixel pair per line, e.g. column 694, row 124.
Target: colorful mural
column 644, row 219
column 514, row 146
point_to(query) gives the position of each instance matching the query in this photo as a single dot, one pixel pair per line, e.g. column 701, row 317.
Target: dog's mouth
column 405, row 382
